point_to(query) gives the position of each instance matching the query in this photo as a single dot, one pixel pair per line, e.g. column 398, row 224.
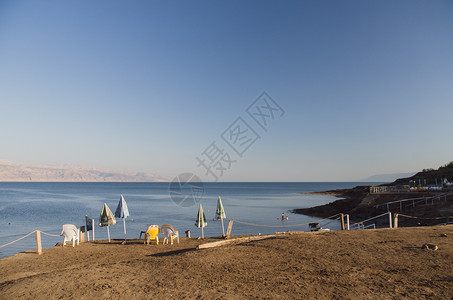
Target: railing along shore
column 414, row 201
column 344, row 218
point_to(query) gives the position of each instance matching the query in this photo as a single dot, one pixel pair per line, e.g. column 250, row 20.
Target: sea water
column 25, row 207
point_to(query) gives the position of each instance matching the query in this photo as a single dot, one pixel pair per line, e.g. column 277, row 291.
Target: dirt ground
column 365, row 264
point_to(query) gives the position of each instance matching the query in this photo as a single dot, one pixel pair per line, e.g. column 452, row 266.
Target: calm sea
column 25, row 207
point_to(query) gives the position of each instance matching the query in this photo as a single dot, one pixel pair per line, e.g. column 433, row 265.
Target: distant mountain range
column 10, row 171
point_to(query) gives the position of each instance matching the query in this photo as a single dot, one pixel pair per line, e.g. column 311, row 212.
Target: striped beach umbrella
column 220, row 213
column 106, row 218
column 200, row 222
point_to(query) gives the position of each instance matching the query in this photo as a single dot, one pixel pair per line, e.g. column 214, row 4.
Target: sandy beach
column 366, row 264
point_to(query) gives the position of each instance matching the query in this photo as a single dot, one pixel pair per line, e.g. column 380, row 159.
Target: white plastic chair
column 70, row 233
column 169, row 233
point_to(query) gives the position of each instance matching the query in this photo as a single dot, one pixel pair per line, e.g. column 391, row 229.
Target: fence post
column 395, row 220
column 92, row 226
column 342, row 221
column 390, row 220
column 347, row 221
column 230, row 227
column 82, row 234
column 38, row 242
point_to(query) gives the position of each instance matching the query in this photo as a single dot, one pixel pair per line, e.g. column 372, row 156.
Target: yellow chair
column 152, row 234
column 170, row 233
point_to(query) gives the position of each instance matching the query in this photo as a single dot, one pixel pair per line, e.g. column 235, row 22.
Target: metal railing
column 414, row 201
column 361, row 224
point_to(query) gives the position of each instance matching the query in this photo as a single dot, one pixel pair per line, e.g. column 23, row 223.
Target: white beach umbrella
column 122, row 212
column 200, row 222
column 220, row 213
column 106, row 218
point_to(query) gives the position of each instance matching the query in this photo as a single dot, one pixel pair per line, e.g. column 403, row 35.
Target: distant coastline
column 329, row 193
column 15, row 172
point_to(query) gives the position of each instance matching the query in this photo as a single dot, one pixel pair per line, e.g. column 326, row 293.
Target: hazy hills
column 387, row 177
column 430, row 176
column 10, row 171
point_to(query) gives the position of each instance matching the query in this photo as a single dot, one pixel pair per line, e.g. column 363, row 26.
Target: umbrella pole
column 124, row 225
column 92, row 226
column 223, row 228
column 108, row 232
column 202, row 233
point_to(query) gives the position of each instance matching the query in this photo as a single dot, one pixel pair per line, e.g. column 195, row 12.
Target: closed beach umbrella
column 200, row 222
column 122, row 212
column 220, row 213
column 107, row 218
column 89, row 226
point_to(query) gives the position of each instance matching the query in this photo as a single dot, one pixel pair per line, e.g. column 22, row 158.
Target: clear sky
column 366, row 86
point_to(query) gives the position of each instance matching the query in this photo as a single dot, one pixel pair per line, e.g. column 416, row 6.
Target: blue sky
column 366, row 86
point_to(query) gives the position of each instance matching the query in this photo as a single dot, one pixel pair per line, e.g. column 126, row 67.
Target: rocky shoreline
column 360, row 204
column 349, row 202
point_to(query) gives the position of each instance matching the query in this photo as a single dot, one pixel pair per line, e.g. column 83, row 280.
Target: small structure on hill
column 377, row 189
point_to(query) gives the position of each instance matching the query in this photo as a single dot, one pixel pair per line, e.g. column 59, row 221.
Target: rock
column 443, row 235
column 430, row 247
